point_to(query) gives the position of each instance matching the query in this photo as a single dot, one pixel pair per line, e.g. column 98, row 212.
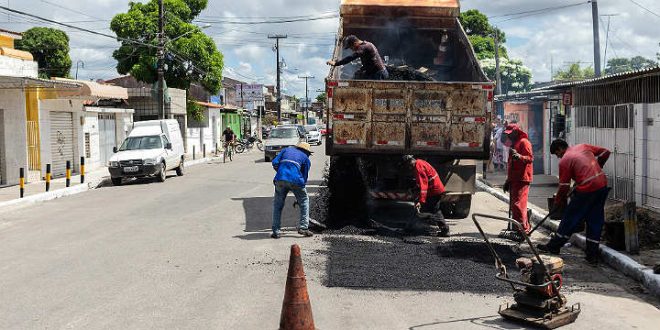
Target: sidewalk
column 638, row 267
column 36, row 191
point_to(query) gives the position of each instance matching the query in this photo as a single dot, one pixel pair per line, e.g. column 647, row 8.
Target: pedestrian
column 292, row 165
column 519, row 174
column 583, row 164
column 430, row 187
column 373, row 65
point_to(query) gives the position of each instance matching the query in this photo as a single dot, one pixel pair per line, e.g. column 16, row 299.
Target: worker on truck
column 583, row 164
column 373, row 65
column 430, row 186
column 520, row 173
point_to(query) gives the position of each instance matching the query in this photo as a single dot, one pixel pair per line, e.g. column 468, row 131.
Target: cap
column 407, row 158
column 304, row 147
column 349, row 41
column 510, row 128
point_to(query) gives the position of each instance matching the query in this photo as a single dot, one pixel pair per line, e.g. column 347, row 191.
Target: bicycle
column 228, row 151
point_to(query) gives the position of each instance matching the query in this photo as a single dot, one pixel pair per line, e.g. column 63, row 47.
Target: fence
column 612, row 127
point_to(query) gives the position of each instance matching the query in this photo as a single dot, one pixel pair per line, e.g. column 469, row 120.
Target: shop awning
column 93, row 90
column 23, row 83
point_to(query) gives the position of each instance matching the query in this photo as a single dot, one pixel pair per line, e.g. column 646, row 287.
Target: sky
column 550, row 39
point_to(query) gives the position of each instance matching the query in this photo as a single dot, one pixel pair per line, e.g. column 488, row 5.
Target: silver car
column 313, row 135
column 280, row 138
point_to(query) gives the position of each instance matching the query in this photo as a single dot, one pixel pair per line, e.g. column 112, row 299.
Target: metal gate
column 34, row 154
column 107, row 136
column 612, row 127
column 61, row 141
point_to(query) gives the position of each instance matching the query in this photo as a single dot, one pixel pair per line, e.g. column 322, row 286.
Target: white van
column 152, row 148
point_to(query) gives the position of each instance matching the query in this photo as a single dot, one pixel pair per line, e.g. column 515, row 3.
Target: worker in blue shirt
column 292, row 165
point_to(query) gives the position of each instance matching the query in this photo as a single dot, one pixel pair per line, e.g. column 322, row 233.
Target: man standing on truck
column 583, row 164
column 372, row 64
column 520, row 173
column 292, row 165
column 430, row 186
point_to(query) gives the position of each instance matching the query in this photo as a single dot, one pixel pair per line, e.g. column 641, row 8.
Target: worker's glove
column 506, row 187
column 514, row 154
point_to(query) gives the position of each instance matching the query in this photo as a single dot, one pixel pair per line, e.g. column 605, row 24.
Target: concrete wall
column 91, row 127
column 14, row 131
column 198, row 136
column 647, row 155
column 14, row 67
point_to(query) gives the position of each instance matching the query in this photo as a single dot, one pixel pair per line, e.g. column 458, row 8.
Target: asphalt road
column 195, row 253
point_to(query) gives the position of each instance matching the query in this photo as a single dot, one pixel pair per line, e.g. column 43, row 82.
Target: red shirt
column 428, row 180
column 522, row 169
column 583, row 164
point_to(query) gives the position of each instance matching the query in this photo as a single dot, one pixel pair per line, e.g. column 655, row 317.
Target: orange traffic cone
column 296, row 308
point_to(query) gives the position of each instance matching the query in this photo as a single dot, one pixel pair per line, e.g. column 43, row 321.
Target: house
column 620, row 112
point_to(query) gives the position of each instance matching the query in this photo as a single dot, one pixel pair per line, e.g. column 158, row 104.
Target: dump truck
column 371, row 124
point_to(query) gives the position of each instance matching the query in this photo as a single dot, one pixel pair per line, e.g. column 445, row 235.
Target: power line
column 539, row 12
column 645, row 8
column 268, row 21
column 71, row 10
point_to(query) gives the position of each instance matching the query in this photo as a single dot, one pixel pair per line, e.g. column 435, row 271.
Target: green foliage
column 195, row 111
column 575, row 72
column 484, row 47
column 323, row 97
column 269, row 120
column 50, row 48
column 621, row 64
column 191, row 56
column 515, row 76
column 476, row 23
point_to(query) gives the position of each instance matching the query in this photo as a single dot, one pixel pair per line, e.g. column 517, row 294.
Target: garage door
column 61, row 141
column 107, row 136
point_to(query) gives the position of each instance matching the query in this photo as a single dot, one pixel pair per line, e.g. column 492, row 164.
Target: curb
column 615, row 259
column 75, row 190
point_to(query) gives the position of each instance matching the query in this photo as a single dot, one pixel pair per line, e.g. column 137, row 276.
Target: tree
column 322, row 98
column 484, row 47
column 476, row 23
column 621, row 64
column 575, row 72
column 516, row 77
column 50, row 48
column 191, row 56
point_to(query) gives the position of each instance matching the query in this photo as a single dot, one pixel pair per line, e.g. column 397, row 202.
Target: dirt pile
column 406, row 73
column 649, row 228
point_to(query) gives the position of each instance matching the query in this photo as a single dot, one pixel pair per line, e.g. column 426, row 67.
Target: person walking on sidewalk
column 292, row 165
column 583, row 164
column 520, row 173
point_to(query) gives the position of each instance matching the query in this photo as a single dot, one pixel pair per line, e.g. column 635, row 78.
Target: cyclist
column 230, row 140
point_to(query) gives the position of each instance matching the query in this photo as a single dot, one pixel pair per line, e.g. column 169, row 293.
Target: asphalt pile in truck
column 406, row 73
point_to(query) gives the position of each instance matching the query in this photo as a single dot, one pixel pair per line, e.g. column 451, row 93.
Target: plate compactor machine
column 538, row 301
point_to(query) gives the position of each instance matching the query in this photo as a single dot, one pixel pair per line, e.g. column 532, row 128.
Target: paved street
column 195, row 253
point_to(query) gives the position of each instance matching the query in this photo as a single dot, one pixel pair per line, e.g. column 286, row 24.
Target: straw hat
column 304, row 147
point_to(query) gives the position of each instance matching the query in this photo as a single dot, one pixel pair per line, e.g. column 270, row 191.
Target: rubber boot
column 593, row 253
column 553, row 246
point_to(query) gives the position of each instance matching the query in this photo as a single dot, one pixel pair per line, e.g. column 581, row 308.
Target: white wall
column 14, row 131
column 647, row 154
column 15, row 67
column 92, row 127
column 198, row 136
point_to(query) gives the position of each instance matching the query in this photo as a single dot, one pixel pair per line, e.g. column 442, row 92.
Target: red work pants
column 519, row 193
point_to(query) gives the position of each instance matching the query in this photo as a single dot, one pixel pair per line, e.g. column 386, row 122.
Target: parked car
column 280, row 138
column 151, row 149
column 301, row 129
column 313, row 135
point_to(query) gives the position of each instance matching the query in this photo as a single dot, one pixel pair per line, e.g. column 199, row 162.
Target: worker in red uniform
column 582, row 164
column 429, row 183
column 520, row 173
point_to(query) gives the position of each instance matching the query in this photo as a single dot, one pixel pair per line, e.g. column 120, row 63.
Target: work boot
column 593, row 253
column 305, row 232
column 548, row 248
column 275, row 235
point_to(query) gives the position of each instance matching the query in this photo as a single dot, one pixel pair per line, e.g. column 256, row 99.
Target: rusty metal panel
column 467, row 135
column 352, row 100
column 350, row 134
column 430, row 103
column 401, row 8
column 389, row 135
column 430, row 136
column 392, row 101
column 468, row 102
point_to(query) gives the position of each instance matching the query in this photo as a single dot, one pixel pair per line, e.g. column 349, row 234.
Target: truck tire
column 457, row 210
column 347, row 203
column 161, row 176
column 180, row 170
column 116, row 181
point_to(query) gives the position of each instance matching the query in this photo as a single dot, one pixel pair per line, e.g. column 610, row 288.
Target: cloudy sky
column 540, row 39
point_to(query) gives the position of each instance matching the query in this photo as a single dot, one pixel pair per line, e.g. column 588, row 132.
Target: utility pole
column 307, row 77
column 277, row 38
column 607, row 37
column 161, row 59
column 498, row 74
column 594, row 13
